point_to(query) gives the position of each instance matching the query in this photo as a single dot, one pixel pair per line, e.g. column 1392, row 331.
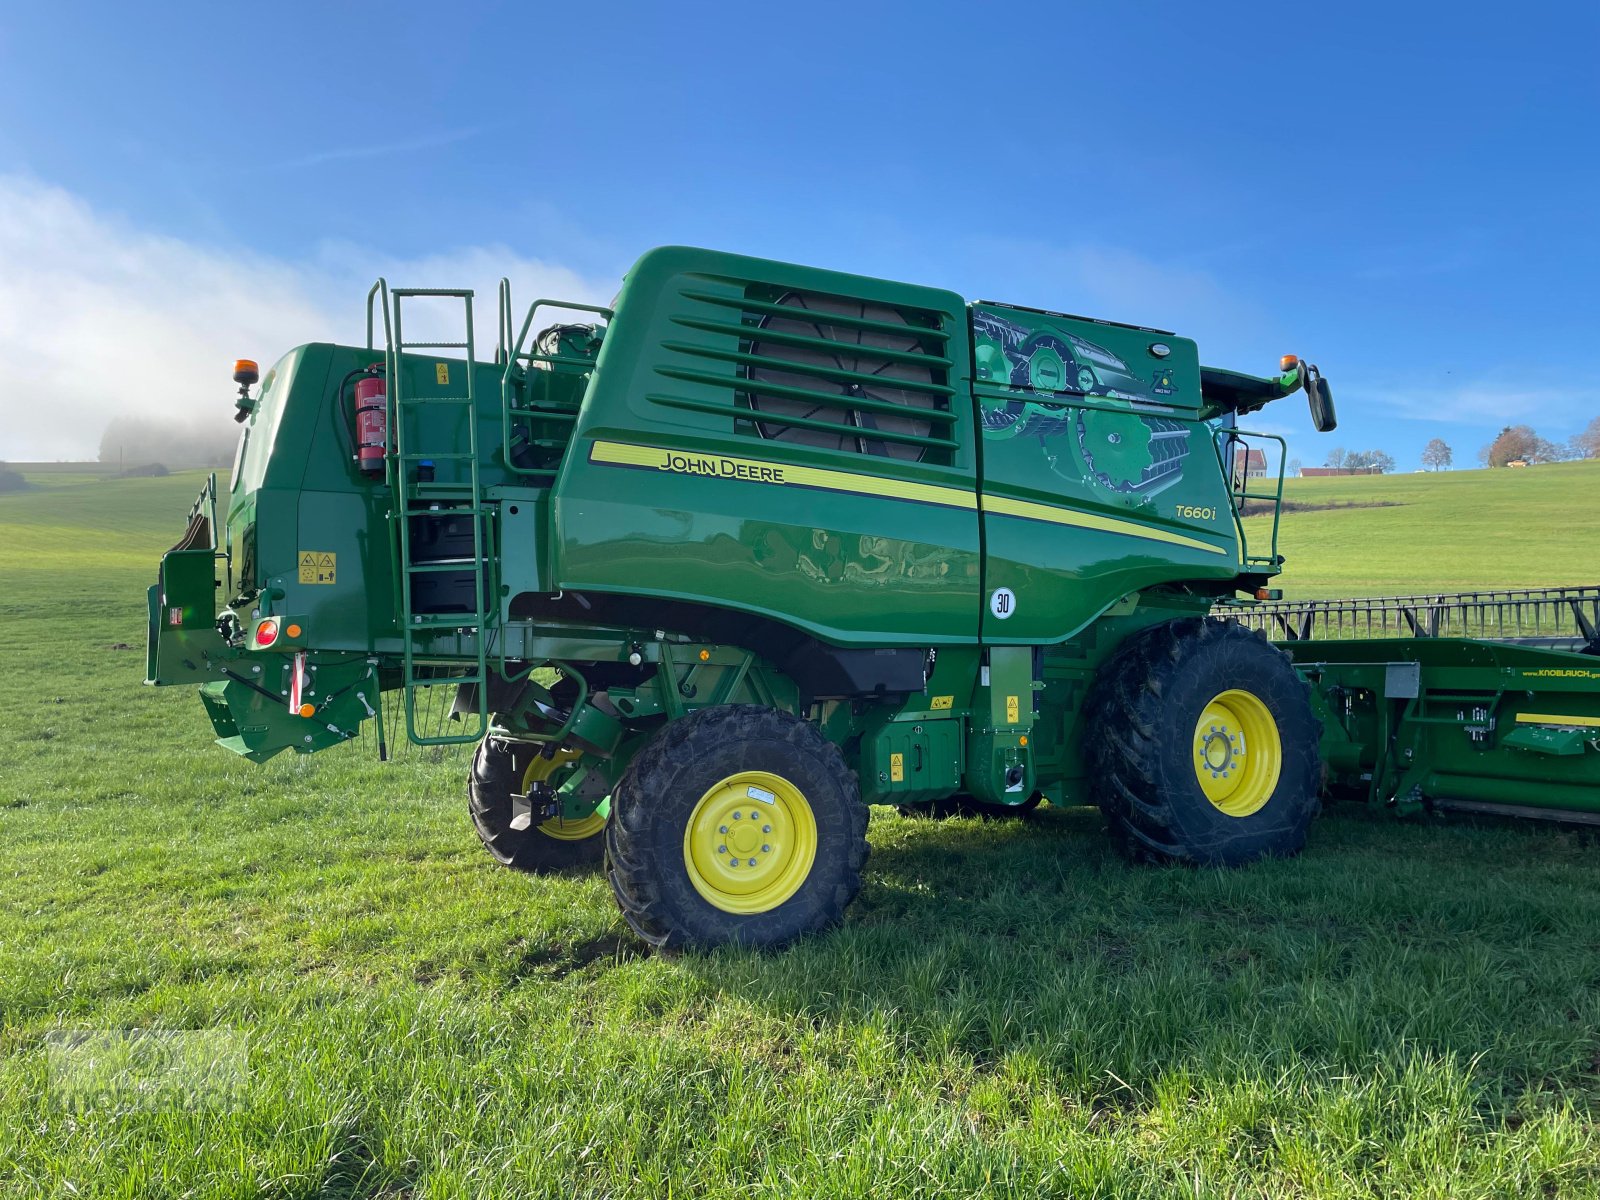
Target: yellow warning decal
column 1557, row 719
column 897, row 768
column 1013, row 707
column 749, row 470
column 441, row 372
column 318, row 566
column 941, row 703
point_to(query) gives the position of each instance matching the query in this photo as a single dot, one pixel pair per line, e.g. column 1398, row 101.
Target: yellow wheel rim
column 750, row 842
column 540, row 769
column 1238, row 753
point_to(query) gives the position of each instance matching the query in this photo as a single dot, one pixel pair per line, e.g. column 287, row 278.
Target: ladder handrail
column 503, row 323
column 512, row 362
column 388, row 336
column 1239, row 487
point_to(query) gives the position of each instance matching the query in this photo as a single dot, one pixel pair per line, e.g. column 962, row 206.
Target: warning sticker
column 441, row 372
column 897, row 768
column 317, row 566
column 1013, row 705
column 941, row 703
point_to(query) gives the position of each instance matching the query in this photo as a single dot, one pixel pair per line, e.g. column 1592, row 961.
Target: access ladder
column 458, row 495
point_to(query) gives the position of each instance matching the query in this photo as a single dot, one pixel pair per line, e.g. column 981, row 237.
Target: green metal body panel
column 836, row 556
column 1418, row 720
column 1099, row 476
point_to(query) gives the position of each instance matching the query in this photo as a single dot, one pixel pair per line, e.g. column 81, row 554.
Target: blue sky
column 1404, row 194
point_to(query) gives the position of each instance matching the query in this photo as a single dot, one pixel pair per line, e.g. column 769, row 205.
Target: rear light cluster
column 268, row 629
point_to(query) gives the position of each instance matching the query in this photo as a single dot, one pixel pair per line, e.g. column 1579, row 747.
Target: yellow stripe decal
column 1064, row 516
column 749, row 470
column 1550, row 719
column 721, row 466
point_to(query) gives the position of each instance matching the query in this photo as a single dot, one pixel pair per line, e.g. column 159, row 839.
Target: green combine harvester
column 709, row 571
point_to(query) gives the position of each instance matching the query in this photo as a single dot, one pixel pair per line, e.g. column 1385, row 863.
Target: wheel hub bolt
column 766, row 849
column 766, row 829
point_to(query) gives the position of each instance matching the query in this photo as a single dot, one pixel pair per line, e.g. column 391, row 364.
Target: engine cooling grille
column 846, row 374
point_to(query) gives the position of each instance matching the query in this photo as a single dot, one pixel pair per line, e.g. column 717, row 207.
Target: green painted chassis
column 1090, row 560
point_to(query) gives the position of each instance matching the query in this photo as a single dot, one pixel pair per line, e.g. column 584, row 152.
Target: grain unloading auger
column 711, row 570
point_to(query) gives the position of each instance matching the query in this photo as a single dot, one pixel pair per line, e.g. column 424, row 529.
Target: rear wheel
column 1203, row 747
column 736, row 824
column 501, row 769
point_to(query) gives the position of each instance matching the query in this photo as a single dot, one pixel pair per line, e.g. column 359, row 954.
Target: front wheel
column 736, row 824
column 1203, row 746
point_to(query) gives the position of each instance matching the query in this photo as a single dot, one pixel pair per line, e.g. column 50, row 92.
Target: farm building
column 1317, row 472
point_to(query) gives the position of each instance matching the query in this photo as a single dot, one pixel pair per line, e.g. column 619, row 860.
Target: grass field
column 1450, row 531
column 1009, row 1010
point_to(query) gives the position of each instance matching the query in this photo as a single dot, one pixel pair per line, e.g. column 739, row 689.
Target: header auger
column 713, row 569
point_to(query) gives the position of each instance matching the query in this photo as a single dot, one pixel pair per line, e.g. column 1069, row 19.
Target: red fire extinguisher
column 372, row 421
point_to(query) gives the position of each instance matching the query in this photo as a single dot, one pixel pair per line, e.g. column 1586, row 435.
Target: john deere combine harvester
column 762, row 545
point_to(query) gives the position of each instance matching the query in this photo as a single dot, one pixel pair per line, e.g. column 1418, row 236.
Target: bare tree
column 1294, row 467
column 1436, row 455
column 1337, row 457
column 1587, row 443
column 1519, row 443
column 1376, row 461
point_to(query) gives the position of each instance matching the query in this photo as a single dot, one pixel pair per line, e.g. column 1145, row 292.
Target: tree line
column 1513, row 444
column 1520, row 443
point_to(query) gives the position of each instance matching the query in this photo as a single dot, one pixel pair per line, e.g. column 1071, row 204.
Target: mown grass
column 1009, row 1010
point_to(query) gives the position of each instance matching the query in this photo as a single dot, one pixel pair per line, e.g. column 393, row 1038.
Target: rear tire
column 501, row 768
column 1202, row 746
column 736, row 824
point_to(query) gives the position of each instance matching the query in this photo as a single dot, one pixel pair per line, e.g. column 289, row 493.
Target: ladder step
column 447, row 491
column 447, row 564
column 462, row 293
column 448, row 680
column 449, row 456
column 434, row 400
column 404, row 346
column 471, row 622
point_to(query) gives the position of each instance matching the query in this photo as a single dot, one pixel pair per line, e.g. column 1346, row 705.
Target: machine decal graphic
column 1131, row 453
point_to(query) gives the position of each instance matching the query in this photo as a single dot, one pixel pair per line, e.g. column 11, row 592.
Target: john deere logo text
column 722, row 468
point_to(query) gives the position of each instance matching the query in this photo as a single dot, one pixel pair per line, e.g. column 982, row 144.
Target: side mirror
column 1319, row 395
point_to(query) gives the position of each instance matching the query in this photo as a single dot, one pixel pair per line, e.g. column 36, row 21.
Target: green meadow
column 1409, row 1009
column 1448, row 531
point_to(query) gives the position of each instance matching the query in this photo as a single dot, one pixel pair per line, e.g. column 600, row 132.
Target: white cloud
column 100, row 319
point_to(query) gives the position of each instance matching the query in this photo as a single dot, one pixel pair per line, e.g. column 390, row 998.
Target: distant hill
column 1444, row 531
